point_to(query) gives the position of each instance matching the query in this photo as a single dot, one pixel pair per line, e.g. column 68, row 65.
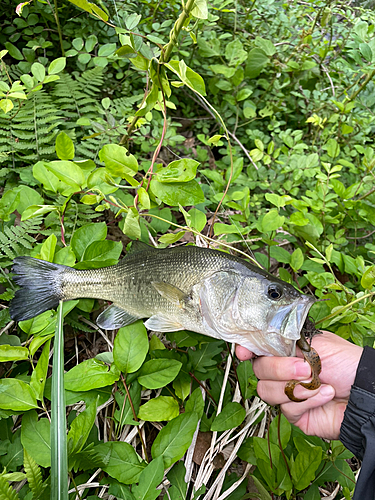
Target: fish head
column 255, row 310
column 273, row 311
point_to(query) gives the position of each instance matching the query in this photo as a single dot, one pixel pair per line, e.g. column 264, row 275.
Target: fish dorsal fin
column 115, row 317
column 170, row 292
column 159, row 323
column 138, row 247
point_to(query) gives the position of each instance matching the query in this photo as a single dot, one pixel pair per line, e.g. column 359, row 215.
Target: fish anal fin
column 170, row 292
column 115, row 317
column 162, row 324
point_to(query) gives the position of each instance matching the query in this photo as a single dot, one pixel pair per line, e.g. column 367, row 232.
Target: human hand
column 323, row 411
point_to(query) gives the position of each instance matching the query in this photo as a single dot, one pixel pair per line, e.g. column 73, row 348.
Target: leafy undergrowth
column 254, row 135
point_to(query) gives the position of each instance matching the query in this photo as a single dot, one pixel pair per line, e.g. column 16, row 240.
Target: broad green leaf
column 36, row 439
column 28, row 197
column 13, row 353
column 48, row 247
column 117, row 160
column 368, row 278
column 149, row 479
column 226, row 229
column 195, row 403
column 178, row 171
column 80, row 429
column 272, row 221
column 47, row 178
column 184, row 193
column 170, row 238
column 90, row 374
column 16, row 395
column 6, row 105
column 107, row 49
column 39, row 71
column 91, row 9
column 39, row 375
column 304, row 467
column 158, row 373
column 144, row 198
column 13, row 51
column 232, row 415
column 189, row 77
column 85, row 235
column 296, row 259
column 159, row 409
column 8, row 203
column 256, row 61
column 200, row 9
column 234, row 53
column 198, row 219
column 280, row 254
column 102, row 251
column 120, row 461
column 64, row 147
column 176, row 476
column 68, row 172
column 247, row 379
column 175, row 438
column 285, row 431
column 130, row 347
column 56, row 66
column 131, row 226
column 266, row 45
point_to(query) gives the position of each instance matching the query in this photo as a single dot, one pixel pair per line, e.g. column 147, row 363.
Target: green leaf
column 85, row 235
column 149, row 479
column 200, row 9
column 120, row 461
column 144, row 198
column 368, row 278
column 68, row 172
column 157, row 373
column 130, row 347
column 117, row 160
column 178, row 171
column 232, row 416
column 13, row 353
column 13, row 51
column 6, row 490
column 256, row 61
column 36, row 439
column 80, row 429
column 184, row 193
column 195, row 404
column 48, row 247
column 296, row 259
column 175, row 438
column 124, row 415
column 33, row 475
column 6, row 105
column 247, row 379
column 90, row 374
column 189, row 77
column 176, row 476
column 56, row 66
column 47, row 178
column 39, row 71
column 197, row 219
column 131, row 226
column 272, row 221
column 100, row 254
column 16, row 395
column 170, row 238
column 305, row 465
column 159, row 409
column 107, row 49
column 64, row 147
column 39, row 375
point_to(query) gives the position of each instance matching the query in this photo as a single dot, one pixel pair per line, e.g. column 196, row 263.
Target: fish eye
column 274, row 292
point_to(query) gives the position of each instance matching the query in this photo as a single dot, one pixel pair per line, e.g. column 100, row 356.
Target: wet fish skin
column 202, row 290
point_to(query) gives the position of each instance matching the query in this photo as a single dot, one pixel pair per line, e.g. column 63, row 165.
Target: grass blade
column 59, row 456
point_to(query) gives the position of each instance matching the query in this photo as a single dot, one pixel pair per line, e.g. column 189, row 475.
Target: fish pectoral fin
column 115, row 317
column 170, row 292
column 162, row 324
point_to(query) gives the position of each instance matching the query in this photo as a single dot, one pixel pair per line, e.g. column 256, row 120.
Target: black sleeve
column 357, row 431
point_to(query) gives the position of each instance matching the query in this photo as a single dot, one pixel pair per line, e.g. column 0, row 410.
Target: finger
column 277, row 368
column 294, row 411
column 243, row 354
column 273, row 392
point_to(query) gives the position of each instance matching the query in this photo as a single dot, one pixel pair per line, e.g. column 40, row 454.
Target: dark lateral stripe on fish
column 40, row 291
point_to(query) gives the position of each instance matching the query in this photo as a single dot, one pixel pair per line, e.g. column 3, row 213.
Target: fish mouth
column 285, row 325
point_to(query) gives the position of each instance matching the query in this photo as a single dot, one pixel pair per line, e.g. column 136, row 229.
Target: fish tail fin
column 40, row 290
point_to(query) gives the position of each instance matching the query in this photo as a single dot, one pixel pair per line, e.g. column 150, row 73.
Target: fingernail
column 327, row 391
column 302, row 369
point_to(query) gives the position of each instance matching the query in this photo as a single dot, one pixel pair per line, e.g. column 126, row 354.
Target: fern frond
column 33, row 475
column 13, row 239
column 6, row 491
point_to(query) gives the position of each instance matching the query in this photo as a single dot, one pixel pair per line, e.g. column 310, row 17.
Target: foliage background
column 261, row 142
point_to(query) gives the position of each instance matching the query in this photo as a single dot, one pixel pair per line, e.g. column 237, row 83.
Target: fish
column 181, row 288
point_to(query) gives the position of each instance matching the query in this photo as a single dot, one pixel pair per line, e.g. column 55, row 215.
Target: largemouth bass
column 182, row 288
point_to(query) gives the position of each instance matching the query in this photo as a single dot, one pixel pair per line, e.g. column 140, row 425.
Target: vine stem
column 175, row 32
